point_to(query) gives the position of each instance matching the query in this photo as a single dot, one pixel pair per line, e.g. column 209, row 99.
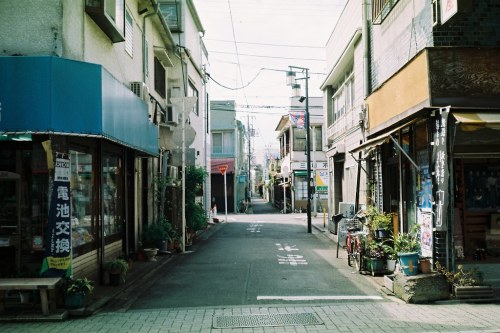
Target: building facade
column 228, row 151
column 97, row 76
column 433, row 107
column 293, row 160
column 344, row 92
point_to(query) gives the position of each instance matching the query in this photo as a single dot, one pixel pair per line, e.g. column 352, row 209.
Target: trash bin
column 335, row 220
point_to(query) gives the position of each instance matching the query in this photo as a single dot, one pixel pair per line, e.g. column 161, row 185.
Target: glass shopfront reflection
column 112, row 192
column 83, row 222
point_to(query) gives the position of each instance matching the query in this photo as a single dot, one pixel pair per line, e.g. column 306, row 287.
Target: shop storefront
column 77, row 112
column 441, row 171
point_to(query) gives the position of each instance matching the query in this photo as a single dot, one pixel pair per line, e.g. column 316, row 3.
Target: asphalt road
column 257, row 260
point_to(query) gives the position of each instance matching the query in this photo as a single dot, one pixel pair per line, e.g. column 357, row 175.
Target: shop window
column 300, row 187
column 111, row 193
column 84, row 229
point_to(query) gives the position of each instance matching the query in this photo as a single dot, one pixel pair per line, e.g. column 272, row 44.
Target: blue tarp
column 47, row 94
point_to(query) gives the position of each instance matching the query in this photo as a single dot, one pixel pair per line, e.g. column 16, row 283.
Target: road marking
column 317, row 298
column 254, row 227
column 286, row 247
column 292, row 260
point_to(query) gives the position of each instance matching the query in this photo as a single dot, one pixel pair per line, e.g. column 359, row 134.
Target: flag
column 297, row 118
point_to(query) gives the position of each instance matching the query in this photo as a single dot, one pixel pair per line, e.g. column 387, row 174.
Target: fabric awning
column 377, row 141
column 217, row 162
column 471, row 121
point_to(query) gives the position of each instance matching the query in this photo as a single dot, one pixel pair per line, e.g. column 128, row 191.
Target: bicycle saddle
column 353, row 229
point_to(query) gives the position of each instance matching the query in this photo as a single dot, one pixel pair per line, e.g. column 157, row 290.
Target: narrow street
column 265, row 273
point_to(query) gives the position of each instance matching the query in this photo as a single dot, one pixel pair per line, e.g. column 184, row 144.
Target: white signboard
column 448, row 9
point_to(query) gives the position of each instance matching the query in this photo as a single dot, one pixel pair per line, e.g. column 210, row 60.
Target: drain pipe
column 155, row 12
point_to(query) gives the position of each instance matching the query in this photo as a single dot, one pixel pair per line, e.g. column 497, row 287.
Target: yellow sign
column 59, row 262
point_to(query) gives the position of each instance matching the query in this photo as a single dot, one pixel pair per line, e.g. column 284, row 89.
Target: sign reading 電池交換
column 57, row 261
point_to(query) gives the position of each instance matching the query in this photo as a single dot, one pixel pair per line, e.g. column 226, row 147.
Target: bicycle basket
column 353, row 223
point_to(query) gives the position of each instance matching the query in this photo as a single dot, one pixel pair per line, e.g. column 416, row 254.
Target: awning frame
column 368, row 145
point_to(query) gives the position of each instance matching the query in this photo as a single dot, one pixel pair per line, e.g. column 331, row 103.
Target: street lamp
column 292, row 81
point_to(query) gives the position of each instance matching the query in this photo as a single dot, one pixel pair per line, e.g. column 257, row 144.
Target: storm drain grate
column 285, row 319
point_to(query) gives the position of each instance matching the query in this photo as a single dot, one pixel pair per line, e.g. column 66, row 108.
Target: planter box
column 389, row 282
column 473, row 292
column 375, row 266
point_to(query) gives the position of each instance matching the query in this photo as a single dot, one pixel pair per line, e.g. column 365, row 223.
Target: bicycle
column 355, row 247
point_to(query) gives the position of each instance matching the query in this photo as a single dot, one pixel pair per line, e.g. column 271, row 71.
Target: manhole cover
column 285, row 319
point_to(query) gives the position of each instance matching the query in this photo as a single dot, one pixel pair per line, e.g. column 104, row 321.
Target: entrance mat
column 285, row 319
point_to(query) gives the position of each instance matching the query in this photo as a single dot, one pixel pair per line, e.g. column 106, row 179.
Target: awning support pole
column 404, row 153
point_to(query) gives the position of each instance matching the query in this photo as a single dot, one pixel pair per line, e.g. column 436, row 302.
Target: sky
column 252, row 43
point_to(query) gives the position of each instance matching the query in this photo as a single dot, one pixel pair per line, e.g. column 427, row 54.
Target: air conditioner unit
column 140, row 89
column 172, row 116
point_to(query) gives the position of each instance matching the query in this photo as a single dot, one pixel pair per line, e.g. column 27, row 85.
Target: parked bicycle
column 355, row 238
column 355, row 241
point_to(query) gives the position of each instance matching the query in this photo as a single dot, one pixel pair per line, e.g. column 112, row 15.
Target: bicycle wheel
column 350, row 247
column 357, row 257
column 360, row 261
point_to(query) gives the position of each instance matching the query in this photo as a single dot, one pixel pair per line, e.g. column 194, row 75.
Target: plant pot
column 381, row 233
column 74, row 301
column 472, row 292
column 409, row 263
column 115, row 279
column 163, row 248
column 375, row 266
column 425, row 266
column 150, row 254
column 390, row 265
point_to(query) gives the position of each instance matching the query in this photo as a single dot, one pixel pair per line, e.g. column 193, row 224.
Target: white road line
column 316, row 298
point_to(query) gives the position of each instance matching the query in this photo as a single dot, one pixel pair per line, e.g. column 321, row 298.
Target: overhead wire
column 236, row 48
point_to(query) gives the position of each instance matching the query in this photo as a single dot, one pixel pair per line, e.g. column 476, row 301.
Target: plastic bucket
column 409, row 263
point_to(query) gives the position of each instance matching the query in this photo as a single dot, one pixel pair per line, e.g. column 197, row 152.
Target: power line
column 236, row 47
column 265, row 56
column 268, row 44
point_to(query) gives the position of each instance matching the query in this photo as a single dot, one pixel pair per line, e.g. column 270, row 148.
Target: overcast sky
column 251, row 43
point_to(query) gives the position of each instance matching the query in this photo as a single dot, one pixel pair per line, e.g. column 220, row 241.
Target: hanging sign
column 57, row 261
column 440, row 170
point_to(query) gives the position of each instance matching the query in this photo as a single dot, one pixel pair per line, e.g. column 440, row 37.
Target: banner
column 297, row 118
column 57, row 261
column 440, row 170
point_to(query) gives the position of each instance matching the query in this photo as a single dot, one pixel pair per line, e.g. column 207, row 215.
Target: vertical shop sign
column 57, row 261
column 440, row 170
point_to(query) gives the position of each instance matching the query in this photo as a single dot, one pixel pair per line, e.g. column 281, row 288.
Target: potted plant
column 117, row 270
column 466, row 283
column 391, row 255
column 196, row 215
column 156, row 235
column 376, row 257
column 407, row 246
column 75, row 291
column 379, row 223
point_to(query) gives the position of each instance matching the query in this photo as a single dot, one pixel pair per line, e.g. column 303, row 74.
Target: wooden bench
column 41, row 284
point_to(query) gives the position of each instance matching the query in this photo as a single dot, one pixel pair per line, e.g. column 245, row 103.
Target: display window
column 84, row 228
column 112, row 192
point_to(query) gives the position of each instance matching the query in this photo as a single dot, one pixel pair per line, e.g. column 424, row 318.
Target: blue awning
column 59, row 96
